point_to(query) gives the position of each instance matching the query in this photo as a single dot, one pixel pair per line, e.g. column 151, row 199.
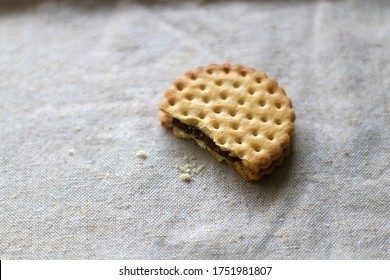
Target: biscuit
column 239, row 114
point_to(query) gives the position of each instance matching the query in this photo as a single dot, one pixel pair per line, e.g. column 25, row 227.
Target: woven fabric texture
column 80, row 83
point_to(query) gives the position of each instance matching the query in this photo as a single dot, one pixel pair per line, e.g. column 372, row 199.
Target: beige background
column 80, row 83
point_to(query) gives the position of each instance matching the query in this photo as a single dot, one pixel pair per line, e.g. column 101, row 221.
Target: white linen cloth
column 80, row 83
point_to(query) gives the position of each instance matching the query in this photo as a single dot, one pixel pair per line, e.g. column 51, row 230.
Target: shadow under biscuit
column 279, row 175
column 275, row 186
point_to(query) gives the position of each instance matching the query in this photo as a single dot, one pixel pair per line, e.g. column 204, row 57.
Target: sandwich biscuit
column 239, row 114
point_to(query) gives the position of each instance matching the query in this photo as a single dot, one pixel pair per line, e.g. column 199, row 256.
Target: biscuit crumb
column 142, row 154
column 189, row 169
column 184, row 169
column 185, row 177
column 199, row 168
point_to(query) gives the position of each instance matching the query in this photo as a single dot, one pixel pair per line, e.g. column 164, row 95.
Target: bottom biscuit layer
column 185, row 131
column 199, row 135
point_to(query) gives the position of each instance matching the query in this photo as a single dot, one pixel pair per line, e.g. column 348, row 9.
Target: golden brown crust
column 166, row 120
column 242, row 110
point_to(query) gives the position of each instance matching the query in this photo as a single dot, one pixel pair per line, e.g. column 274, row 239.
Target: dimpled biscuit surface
column 242, row 110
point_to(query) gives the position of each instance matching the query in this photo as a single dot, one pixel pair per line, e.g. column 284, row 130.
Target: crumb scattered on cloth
column 142, row 154
column 189, row 168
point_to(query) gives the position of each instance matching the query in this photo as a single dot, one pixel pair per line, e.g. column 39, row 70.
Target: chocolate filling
column 198, row 134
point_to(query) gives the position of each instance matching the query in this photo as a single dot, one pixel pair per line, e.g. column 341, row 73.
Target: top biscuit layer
column 240, row 109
